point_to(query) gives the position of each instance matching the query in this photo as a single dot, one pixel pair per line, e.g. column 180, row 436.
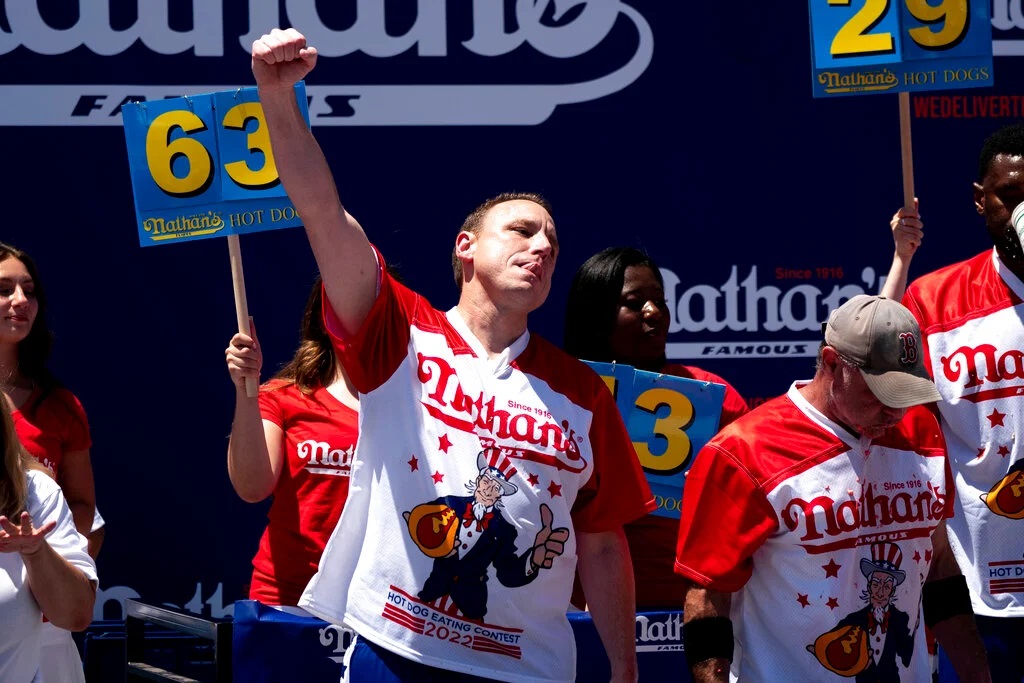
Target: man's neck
column 815, row 392
column 496, row 330
column 1015, row 266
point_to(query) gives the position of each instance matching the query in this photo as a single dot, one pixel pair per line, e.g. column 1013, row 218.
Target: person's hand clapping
column 22, row 537
column 281, row 58
column 907, row 231
column 244, row 357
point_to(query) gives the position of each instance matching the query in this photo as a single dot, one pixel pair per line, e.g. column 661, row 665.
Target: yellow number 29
column 853, row 38
column 955, row 17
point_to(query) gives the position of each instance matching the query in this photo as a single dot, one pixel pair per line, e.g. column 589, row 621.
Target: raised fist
column 280, row 59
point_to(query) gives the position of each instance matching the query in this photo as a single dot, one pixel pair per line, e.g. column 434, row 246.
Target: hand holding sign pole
column 872, row 46
column 201, row 166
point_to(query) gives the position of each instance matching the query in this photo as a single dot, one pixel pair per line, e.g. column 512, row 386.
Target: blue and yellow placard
column 669, row 420
column 201, row 166
column 873, row 46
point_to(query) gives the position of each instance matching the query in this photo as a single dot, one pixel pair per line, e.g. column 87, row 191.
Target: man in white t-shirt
column 813, row 528
column 972, row 321
column 454, row 406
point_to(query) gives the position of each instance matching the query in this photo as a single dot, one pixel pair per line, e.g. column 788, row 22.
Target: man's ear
column 829, row 357
column 465, row 245
column 979, row 198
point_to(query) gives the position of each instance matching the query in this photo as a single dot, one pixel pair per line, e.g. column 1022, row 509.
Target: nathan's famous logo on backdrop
column 1008, row 28
column 556, row 30
column 758, row 313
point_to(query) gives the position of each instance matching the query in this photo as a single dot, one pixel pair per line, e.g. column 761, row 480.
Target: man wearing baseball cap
column 782, row 508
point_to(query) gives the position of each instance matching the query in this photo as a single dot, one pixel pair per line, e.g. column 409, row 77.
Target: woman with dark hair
column 49, row 421
column 295, row 441
column 617, row 312
column 44, row 566
column 48, row 418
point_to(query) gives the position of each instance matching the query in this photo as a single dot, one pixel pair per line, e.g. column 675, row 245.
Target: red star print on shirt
column 802, row 599
column 533, row 480
column 1003, row 451
column 927, row 555
column 437, row 477
column 996, row 418
column 414, row 464
column 832, row 603
column 555, row 489
column 443, row 444
column 831, row 569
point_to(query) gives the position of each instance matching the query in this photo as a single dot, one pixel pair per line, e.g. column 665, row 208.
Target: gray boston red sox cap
column 884, row 340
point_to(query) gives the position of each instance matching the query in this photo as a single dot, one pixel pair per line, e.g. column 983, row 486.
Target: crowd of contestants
column 50, row 530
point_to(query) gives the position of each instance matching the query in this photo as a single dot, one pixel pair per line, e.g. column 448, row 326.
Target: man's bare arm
column 347, row 265
column 957, row 634
column 703, row 603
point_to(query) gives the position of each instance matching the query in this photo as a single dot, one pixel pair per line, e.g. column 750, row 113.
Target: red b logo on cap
column 909, row 353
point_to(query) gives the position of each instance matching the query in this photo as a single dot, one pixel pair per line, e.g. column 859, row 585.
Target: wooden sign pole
column 906, row 151
column 241, row 305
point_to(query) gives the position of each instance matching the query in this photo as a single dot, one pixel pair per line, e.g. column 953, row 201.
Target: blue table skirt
column 271, row 646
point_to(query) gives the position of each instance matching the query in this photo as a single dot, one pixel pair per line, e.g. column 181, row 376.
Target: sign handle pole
column 241, row 305
column 906, row 151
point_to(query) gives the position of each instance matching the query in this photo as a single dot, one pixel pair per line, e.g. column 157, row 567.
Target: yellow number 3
column 162, row 152
column 671, row 428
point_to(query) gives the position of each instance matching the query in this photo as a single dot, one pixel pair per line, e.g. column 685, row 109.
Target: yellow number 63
column 162, row 152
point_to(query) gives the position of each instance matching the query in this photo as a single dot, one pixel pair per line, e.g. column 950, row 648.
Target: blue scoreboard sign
column 872, row 46
column 669, row 420
column 201, row 166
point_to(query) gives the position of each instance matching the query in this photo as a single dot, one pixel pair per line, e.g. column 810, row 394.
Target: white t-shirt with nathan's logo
column 972, row 325
column 822, row 537
column 411, row 565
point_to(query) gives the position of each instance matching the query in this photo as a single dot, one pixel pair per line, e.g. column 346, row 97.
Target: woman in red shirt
column 616, row 311
column 294, row 441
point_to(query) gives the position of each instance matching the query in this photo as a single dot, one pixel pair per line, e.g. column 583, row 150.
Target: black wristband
column 945, row 598
column 707, row 638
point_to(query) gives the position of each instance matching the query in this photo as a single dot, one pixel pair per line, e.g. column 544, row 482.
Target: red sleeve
column 380, row 345
column 617, row 491
column 725, row 519
column 270, row 403
column 912, row 305
column 75, row 423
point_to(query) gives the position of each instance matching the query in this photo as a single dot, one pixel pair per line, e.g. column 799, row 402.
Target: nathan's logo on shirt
column 824, row 519
column 445, row 400
column 322, row 459
column 981, row 365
